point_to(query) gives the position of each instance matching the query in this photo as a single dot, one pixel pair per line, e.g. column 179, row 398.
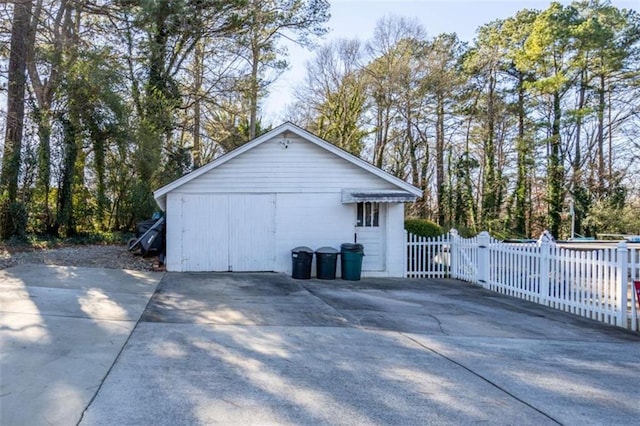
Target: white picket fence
column 596, row 284
column 427, row 257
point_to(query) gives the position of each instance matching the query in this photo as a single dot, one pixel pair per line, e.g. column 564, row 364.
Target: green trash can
column 351, row 261
column 301, row 258
column 326, row 261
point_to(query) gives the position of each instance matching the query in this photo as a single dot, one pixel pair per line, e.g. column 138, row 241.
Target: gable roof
column 161, row 193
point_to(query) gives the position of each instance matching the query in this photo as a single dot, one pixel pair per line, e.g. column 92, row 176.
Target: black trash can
column 326, row 260
column 351, row 261
column 301, row 258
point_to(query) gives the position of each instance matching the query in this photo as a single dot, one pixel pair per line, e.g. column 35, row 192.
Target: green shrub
column 422, row 227
column 466, row 232
column 13, row 217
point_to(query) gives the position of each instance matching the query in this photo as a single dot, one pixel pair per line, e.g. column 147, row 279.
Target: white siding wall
column 269, row 167
column 314, row 220
column 174, row 232
column 308, row 182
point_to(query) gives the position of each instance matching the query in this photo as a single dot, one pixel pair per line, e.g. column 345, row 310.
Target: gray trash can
column 326, row 261
column 301, row 258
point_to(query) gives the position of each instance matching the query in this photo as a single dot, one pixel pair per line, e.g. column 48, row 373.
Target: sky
column 357, row 19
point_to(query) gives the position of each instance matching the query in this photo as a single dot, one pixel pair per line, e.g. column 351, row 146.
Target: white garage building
column 247, row 209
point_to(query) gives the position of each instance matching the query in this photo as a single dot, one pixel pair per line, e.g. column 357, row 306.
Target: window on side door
column 368, row 215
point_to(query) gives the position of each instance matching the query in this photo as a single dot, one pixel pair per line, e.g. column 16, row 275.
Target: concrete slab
column 457, row 308
column 240, row 299
column 51, row 276
column 263, row 348
column 61, row 330
column 184, row 374
column 574, row 382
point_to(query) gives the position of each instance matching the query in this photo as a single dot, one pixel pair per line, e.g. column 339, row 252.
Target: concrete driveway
column 265, row 349
column 61, row 329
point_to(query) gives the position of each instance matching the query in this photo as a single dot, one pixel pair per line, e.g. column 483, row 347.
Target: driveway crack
column 439, row 324
column 481, row 377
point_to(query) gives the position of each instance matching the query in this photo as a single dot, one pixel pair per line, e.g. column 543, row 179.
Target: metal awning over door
column 376, row 196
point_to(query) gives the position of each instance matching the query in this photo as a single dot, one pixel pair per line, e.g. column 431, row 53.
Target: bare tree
column 331, row 102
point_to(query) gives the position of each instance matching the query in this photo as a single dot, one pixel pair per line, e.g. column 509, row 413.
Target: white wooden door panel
column 205, row 237
column 252, row 232
column 228, row 232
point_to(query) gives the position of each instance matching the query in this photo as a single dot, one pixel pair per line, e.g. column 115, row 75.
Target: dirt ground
column 94, row 256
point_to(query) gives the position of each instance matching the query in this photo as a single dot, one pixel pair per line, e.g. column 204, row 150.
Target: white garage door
column 228, row 232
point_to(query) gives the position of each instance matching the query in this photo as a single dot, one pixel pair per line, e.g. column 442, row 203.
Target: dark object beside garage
column 150, row 238
column 301, row 258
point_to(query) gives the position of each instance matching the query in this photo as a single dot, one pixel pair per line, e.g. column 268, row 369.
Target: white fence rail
column 596, row 284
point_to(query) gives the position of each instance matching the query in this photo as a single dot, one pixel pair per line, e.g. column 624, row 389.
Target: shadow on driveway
column 263, row 348
column 61, row 329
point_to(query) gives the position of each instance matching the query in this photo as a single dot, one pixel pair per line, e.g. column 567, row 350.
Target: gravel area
column 93, row 256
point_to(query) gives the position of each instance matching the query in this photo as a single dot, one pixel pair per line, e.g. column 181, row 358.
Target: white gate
column 427, row 257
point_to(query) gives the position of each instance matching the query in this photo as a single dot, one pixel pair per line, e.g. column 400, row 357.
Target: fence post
column 622, row 256
column 545, row 265
column 406, row 250
column 453, row 253
column 483, row 258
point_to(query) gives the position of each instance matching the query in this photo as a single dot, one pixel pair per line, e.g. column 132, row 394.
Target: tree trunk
column 555, row 174
column 64, row 217
column 440, row 160
column 413, row 160
column 198, row 71
column 489, row 198
column 522, row 187
column 382, row 133
column 99, row 147
column 43, row 181
column 15, row 99
column 253, row 91
column 10, row 222
column 578, row 201
column 600, row 136
column 44, row 90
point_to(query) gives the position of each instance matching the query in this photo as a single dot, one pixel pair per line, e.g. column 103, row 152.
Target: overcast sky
column 357, row 19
